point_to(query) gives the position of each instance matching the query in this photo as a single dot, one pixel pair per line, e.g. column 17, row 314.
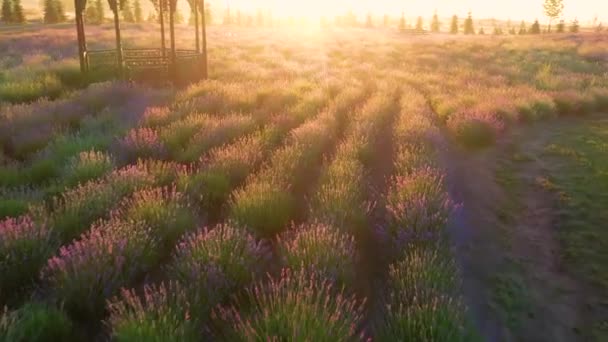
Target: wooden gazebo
column 148, row 64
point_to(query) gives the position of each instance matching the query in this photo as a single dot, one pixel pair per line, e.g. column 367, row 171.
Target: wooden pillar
column 114, row 6
column 172, row 6
column 204, row 33
column 79, row 6
column 161, row 12
column 196, row 34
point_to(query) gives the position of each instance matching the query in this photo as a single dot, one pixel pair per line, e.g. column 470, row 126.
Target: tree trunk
column 196, row 34
column 118, row 40
column 172, row 5
column 161, row 12
column 81, row 39
column 204, row 31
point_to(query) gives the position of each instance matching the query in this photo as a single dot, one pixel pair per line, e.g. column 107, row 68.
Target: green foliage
column 36, row 322
column 18, row 15
column 161, row 316
column 522, row 28
column 553, row 9
column 419, row 25
column 295, row 307
column 454, row 25
column 7, row 12
column 469, row 27
column 263, row 208
column 138, row 15
column 402, row 26
column 574, row 27
column 535, row 28
column 127, row 11
column 435, row 24
column 561, row 27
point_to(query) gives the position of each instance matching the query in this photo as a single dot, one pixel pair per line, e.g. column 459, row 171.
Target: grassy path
column 530, row 233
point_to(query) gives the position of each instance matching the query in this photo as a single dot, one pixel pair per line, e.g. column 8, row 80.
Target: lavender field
column 305, row 192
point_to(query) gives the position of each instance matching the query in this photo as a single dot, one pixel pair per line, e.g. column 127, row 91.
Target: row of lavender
column 423, row 300
column 80, row 276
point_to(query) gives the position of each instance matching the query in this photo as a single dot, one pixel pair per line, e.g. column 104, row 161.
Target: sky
column 584, row 10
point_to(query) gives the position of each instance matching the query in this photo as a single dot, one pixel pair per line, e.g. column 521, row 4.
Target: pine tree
column 454, row 25
column 469, row 28
column 137, row 12
column 61, row 17
column 368, row 21
column 575, row 27
column 100, row 11
column 18, row 16
column 7, row 12
column 90, row 14
column 522, row 28
column 481, row 31
column 402, row 22
column 435, row 24
column 227, row 17
column 561, row 26
column 178, row 17
column 208, row 14
column 535, row 28
column 127, row 11
column 259, row 18
column 419, row 25
column 50, row 12
column 599, row 28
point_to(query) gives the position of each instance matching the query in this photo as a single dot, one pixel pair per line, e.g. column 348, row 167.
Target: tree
column 574, row 27
column 259, row 18
column 238, row 18
column 419, row 25
column 137, row 12
column 561, row 27
column 522, row 28
column 127, row 12
column 385, row 20
column 18, row 16
column 599, row 28
column 208, row 14
column 61, row 17
column 435, row 24
column 179, row 18
column 497, row 31
column 227, row 17
column 481, row 31
column 100, row 11
column 7, row 11
column 402, row 22
column 369, row 22
column 553, row 10
column 90, row 14
column 535, row 28
column 50, row 12
column 454, row 25
column 469, row 28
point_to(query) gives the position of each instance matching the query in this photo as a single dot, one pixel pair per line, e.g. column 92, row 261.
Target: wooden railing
column 149, row 65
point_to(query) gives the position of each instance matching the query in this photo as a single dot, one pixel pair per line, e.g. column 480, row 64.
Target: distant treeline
column 133, row 11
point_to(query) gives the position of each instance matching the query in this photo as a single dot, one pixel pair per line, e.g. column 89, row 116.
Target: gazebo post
column 79, row 6
column 162, row 26
column 114, row 6
column 204, row 31
column 172, row 6
column 196, row 35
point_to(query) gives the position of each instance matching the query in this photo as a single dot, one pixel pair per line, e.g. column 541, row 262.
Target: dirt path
column 505, row 240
